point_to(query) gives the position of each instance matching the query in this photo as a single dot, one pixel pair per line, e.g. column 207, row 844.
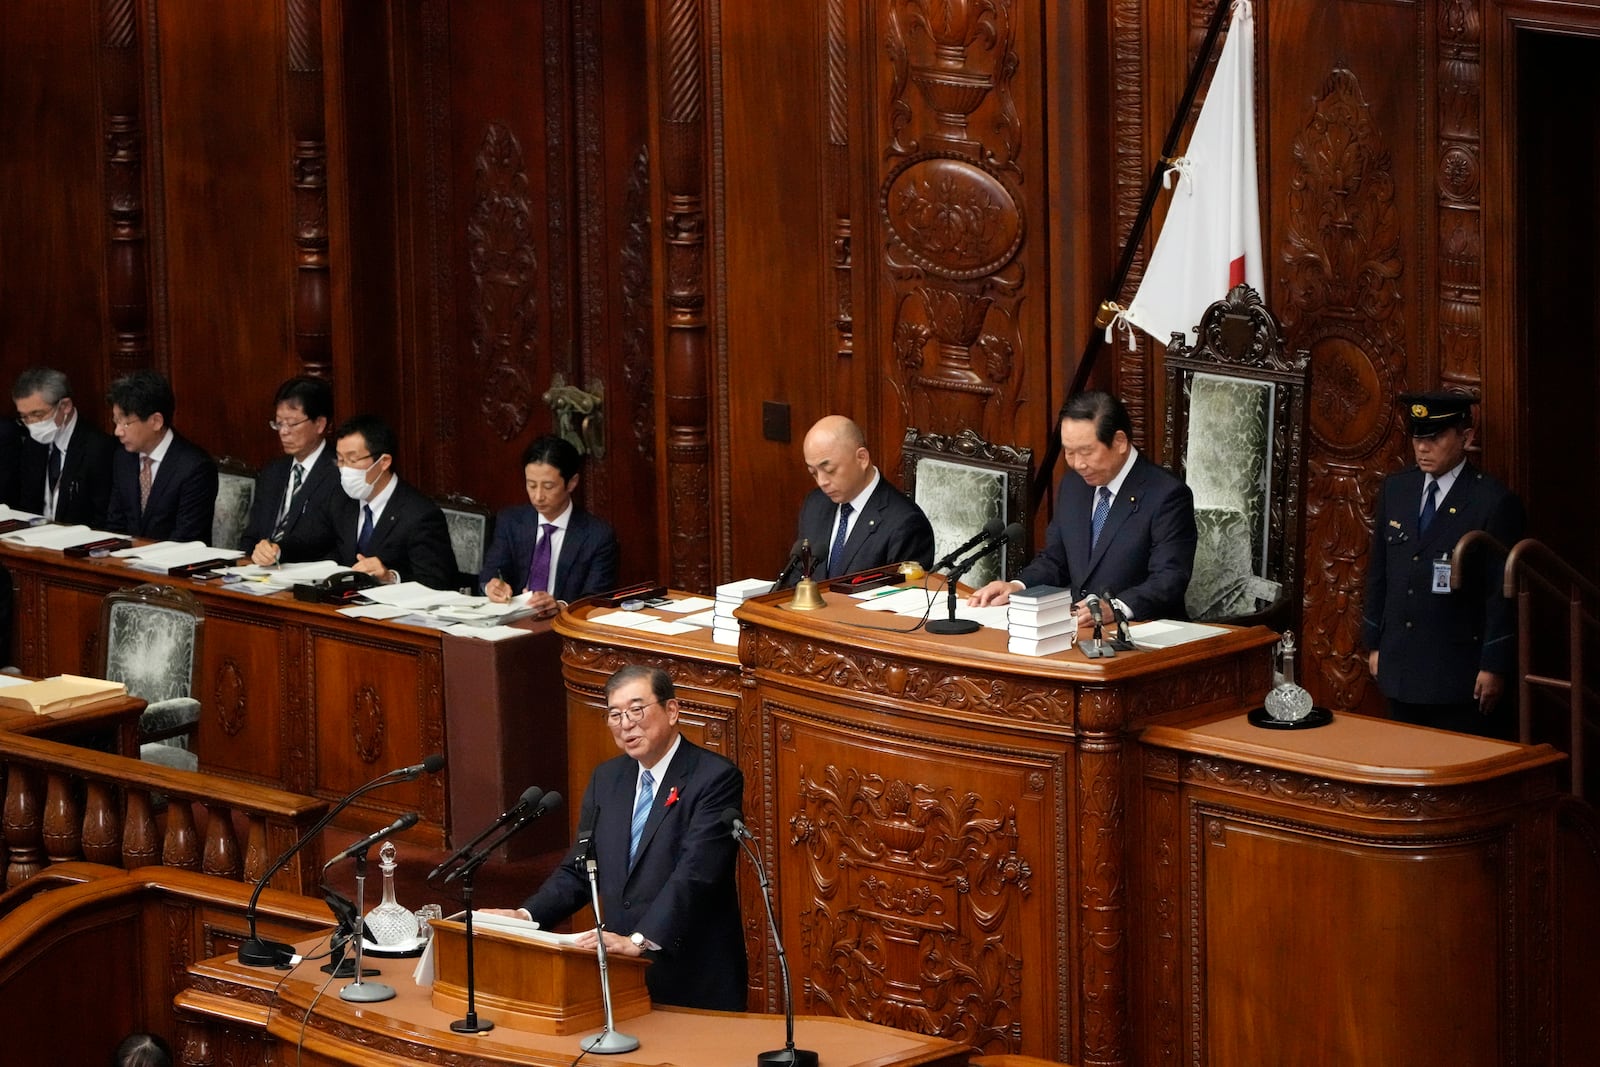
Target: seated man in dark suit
column 855, row 518
column 549, row 545
column 163, row 486
column 289, row 513
column 65, row 470
column 1122, row 524
column 664, row 860
column 381, row 525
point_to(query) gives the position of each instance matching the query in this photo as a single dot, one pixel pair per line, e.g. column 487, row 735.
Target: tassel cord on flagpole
column 1130, row 248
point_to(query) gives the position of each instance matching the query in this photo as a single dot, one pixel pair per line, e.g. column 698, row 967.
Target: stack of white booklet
column 724, row 627
column 1040, row 621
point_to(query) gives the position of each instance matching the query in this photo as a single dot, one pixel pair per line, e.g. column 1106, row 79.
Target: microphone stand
column 1122, row 641
column 471, row 1024
column 1096, row 648
column 608, row 1040
column 359, row 991
column 788, row 1056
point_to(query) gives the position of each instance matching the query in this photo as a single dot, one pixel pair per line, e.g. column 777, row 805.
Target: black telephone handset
column 340, row 587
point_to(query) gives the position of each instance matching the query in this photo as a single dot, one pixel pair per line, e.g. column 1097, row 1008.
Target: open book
column 60, row 693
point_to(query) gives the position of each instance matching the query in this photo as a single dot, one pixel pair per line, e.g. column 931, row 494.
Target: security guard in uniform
column 1442, row 657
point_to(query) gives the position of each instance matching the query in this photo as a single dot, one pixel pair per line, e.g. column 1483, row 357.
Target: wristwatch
column 637, row 938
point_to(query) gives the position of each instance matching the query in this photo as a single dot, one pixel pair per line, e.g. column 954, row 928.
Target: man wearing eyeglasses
column 665, row 861
column 381, row 525
column 163, row 486
column 65, row 466
column 289, row 513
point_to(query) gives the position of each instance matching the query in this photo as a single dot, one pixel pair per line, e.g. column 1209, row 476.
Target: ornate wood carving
column 127, row 254
column 687, row 518
column 367, row 724
column 559, row 162
column 503, row 266
column 955, row 689
column 685, row 672
column 228, row 697
column 1102, row 882
column 313, row 302
column 952, row 211
column 1184, row 690
column 638, row 365
column 1130, row 170
column 1459, row 173
column 1162, row 825
column 1342, row 263
column 936, row 879
column 837, row 177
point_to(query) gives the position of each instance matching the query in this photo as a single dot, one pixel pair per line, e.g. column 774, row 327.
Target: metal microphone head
column 1092, row 602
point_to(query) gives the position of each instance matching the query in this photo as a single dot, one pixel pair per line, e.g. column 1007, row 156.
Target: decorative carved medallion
column 911, row 894
column 501, row 262
column 228, row 697
column 367, row 725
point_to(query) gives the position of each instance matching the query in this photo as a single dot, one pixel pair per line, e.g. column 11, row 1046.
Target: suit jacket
column 588, row 562
column 1430, row 645
column 182, row 498
column 307, row 534
column 681, row 891
column 84, row 491
column 1146, row 550
column 411, row 537
column 890, row 529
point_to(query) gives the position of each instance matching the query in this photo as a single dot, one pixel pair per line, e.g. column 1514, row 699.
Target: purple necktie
column 539, row 569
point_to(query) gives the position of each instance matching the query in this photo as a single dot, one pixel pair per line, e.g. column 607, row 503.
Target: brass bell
column 807, row 597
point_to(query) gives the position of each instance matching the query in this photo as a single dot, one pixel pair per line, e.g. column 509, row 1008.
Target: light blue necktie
column 641, row 813
column 1102, row 508
column 1427, row 508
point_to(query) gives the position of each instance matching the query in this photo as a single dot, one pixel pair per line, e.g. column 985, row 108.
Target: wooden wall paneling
column 242, row 691
column 312, row 317
column 127, row 274
column 228, row 238
column 57, row 176
column 1349, row 157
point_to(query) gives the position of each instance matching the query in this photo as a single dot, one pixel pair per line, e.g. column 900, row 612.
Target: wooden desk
column 297, row 696
column 944, row 822
column 1365, row 892
column 118, row 716
column 239, row 1003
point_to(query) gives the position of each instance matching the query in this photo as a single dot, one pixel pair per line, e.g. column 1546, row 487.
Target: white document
column 901, row 602
column 665, row 627
column 374, row 611
column 56, row 537
column 164, row 555
column 415, row 595
column 684, row 605
column 1166, row 633
column 7, row 512
column 486, row 633
column 627, row 619
column 700, row 618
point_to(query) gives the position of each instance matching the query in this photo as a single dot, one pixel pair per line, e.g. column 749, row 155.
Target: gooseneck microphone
column 992, row 543
column 404, row 822
column 256, row 952
column 991, row 529
column 796, row 553
column 530, row 797
column 788, row 1055
column 361, row 991
column 548, row 802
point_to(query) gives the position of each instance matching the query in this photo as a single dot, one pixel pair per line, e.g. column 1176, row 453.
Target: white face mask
column 45, row 431
column 354, row 483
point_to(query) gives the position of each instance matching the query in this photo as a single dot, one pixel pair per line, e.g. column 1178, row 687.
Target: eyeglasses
column 28, row 418
column 350, row 461
column 279, row 426
column 633, row 713
column 128, row 420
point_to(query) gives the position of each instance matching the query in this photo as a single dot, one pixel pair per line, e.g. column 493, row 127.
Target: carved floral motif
column 367, row 724
column 503, row 268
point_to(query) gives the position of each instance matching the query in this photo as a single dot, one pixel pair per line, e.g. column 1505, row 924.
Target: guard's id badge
column 1441, row 575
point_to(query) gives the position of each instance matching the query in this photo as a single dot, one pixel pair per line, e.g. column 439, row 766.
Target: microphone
column 404, row 822
column 788, row 1056
column 256, row 952
column 584, row 850
column 991, row 529
column 993, row 540
column 1011, row 534
column 548, row 802
column 795, row 555
column 530, row 796
column 1123, row 641
column 1092, row 602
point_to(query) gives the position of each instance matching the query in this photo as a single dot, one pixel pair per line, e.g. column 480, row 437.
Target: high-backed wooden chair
column 471, row 526
column 236, row 490
column 1236, row 423
column 962, row 482
column 152, row 645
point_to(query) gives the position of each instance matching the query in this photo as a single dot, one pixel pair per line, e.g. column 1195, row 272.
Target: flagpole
column 1130, row 248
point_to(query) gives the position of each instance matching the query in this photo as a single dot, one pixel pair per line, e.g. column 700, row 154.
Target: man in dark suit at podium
column 665, row 861
column 382, row 526
column 289, row 513
column 1440, row 655
column 855, row 518
column 1122, row 524
column 163, row 486
column 65, row 469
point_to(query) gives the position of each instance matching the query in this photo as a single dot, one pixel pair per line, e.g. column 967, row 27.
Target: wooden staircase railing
column 67, row 803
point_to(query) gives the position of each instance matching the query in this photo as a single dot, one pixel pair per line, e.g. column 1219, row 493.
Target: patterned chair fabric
column 471, row 525
column 152, row 645
column 236, row 490
column 961, row 483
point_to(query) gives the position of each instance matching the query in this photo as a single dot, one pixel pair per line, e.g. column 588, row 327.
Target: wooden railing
column 67, row 803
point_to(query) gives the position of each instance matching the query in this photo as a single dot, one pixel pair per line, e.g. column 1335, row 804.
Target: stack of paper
column 724, row 627
column 160, row 557
column 1040, row 621
column 59, row 693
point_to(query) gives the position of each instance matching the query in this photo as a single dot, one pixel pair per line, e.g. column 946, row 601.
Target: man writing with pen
column 288, row 514
column 549, row 547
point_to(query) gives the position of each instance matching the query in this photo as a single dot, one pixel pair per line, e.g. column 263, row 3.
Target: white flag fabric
column 1211, row 240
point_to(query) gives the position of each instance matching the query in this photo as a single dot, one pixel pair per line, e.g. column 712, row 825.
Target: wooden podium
column 531, row 984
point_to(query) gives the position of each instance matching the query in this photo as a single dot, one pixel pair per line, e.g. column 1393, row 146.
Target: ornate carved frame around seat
column 968, row 449
column 1239, row 338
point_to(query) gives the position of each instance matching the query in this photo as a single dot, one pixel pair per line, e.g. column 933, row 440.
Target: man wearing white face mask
column 66, row 466
column 385, row 528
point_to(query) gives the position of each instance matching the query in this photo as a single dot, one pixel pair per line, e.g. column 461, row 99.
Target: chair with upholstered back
column 471, row 525
column 961, row 483
column 1236, row 422
column 152, row 645
column 236, row 490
